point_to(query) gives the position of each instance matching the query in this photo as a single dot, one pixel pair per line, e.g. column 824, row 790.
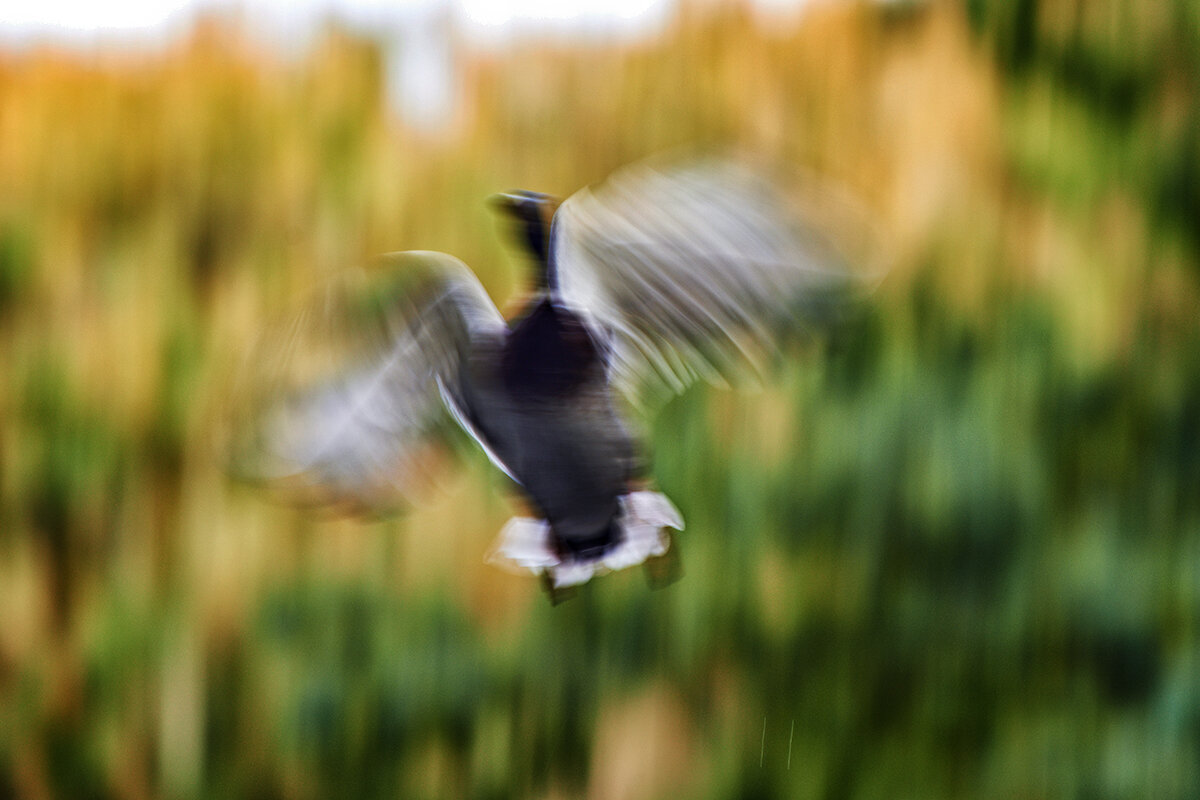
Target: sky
column 421, row 75
column 87, row 19
column 421, row 72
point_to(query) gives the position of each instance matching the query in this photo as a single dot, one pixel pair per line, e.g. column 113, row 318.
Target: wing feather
column 340, row 405
column 691, row 272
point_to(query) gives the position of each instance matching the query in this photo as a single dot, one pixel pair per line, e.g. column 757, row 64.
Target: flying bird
column 661, row 276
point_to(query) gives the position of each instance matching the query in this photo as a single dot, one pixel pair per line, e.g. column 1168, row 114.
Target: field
column 952, row 549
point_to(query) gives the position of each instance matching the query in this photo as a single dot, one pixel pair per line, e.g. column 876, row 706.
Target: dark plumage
column 657, row 279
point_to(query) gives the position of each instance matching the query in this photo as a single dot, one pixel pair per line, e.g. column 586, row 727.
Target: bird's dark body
column 548, row 353
column 545, row 409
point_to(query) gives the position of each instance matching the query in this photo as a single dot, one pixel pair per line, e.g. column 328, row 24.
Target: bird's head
column 523, row 203
column 531, row 213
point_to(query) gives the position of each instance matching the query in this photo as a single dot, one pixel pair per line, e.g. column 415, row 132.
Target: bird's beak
column 504, row 200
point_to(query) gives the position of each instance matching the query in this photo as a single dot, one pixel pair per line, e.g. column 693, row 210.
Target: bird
column 666, row 274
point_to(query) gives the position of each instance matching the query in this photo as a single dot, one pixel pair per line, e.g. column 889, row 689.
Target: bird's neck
column 538, row 240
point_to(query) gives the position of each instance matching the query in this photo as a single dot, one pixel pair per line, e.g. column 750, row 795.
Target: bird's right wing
column 691, row 271
column 339, row 405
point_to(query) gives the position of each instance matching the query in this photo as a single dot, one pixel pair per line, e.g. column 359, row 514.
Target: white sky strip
column 151, row 16
column 421, row 35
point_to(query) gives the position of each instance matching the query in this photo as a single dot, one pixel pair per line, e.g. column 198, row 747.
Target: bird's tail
column 526, row 544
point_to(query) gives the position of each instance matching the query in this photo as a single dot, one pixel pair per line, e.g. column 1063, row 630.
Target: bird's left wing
column 692, row 271
column 340, row 404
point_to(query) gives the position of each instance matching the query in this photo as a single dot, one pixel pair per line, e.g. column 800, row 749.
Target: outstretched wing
column 691, row 272
column 340, row 404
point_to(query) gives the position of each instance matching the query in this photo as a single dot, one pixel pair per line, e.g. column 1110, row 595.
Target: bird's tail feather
column 526, row 544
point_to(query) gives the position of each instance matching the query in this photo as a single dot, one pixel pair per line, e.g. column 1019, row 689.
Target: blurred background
column 950, row 551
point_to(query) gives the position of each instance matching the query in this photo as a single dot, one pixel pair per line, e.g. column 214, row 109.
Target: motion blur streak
column 957, row 544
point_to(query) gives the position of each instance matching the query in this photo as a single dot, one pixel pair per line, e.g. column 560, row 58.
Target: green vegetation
column 951, row 550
